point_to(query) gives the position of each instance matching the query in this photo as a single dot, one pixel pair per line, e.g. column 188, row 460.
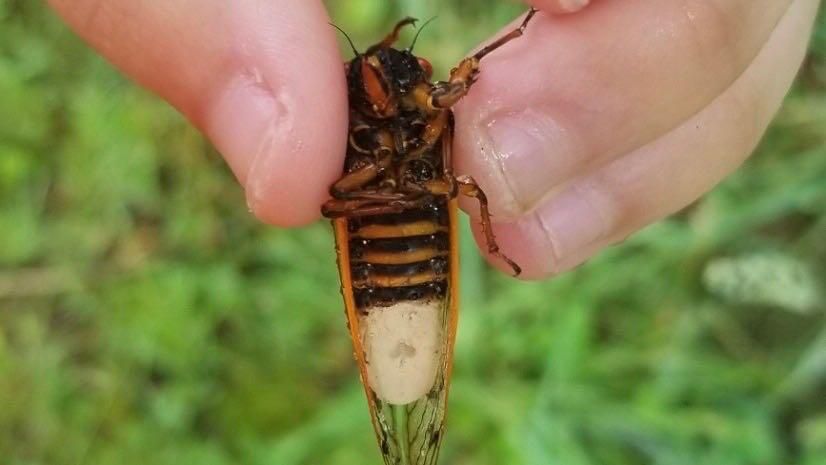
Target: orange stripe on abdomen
column 389, row 231
column 400, row 258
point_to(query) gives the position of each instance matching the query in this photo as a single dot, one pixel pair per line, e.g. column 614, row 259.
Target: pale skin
column 602, row 119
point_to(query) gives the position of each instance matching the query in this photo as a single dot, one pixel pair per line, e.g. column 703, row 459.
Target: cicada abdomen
column 400, row 289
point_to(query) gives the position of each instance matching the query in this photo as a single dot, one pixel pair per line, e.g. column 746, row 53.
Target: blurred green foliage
column 146, row 318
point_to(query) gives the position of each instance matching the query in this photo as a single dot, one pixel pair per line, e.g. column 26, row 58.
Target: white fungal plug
column 403, row 347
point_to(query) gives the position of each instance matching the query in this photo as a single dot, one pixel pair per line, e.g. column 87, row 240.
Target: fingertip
column 262, row 79
column 284, row 154
column 281, row 121
column 289, row 180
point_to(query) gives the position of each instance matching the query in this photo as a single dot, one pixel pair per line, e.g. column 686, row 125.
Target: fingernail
column 575, row 219
column 572, row 5
column 239, row 121
column 252, row 125
column 533, row 152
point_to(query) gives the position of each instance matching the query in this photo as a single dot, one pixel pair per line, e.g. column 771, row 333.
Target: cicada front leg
column 445, row 94
column 393, row 36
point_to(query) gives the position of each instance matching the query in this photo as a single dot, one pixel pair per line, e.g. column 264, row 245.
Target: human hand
column 596, row 124
column 588, row 128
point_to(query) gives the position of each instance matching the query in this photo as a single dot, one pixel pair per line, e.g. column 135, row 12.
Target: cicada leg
column 446, row 94
column 378, row 204
column 468, row 187
column 452, row 185
column 393, row 36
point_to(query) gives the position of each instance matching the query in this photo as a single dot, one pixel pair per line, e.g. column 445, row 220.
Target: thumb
column 262, row 79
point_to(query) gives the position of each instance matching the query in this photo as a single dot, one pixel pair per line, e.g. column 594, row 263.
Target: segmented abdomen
column 400, row 257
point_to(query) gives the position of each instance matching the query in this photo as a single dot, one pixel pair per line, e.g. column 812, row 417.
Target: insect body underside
column 394, row 214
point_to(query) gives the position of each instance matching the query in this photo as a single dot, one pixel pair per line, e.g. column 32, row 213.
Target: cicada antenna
column 416, row 37
column 349, row 40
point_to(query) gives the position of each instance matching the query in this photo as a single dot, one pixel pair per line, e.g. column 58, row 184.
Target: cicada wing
column 409, row 421
column 412, row 433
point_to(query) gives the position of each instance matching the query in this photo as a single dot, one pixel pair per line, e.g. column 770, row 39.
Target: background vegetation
column 146, row 318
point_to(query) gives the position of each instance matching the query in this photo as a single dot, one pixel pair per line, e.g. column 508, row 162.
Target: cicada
column 394, row 213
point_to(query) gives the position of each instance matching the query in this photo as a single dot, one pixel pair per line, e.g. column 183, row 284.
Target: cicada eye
column 426, row 66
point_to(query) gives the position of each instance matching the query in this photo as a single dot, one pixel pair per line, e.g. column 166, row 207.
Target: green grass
column 146, row 318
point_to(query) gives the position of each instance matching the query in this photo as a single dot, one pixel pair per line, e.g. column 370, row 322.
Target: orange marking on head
column 373, row 86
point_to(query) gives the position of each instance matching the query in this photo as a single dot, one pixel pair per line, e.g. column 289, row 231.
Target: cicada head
column 378, row 79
